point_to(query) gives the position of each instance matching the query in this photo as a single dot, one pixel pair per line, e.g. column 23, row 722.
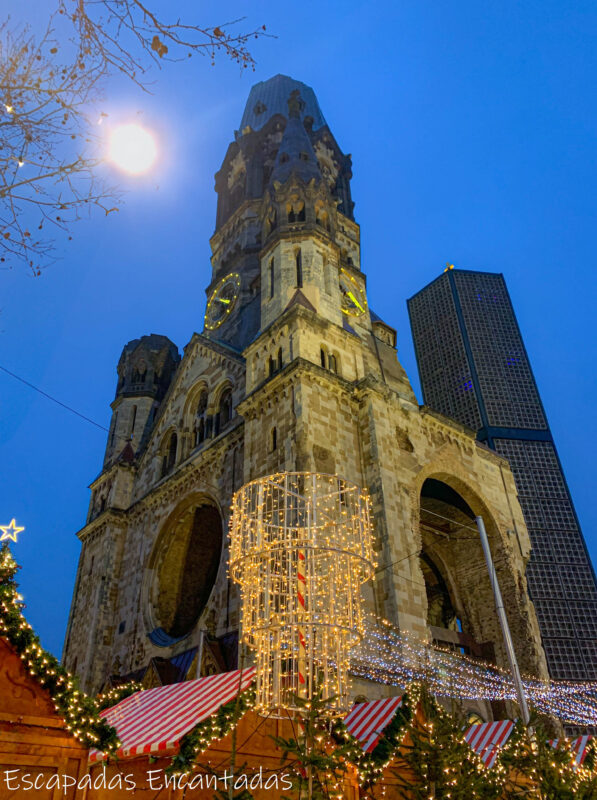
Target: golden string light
column 301, row 548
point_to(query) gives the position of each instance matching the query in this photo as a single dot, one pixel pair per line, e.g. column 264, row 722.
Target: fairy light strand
column 386, row 655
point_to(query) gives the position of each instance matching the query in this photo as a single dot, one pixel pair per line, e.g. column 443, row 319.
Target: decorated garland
column 215, row 727
column 370, row 766
column 78, row 710
column 114, row 696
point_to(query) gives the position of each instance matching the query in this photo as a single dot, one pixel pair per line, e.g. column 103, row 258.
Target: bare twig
column 50, row 90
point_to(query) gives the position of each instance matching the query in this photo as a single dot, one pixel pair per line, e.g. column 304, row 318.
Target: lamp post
column 503, row 620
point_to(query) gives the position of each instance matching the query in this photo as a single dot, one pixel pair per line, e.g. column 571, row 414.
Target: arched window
column 113, row 436
column 224, row 414
column 280, row 362
column 322, row 218
column 271, row 220
column 271, row 278
column 332, row 363
column 274, row 439
column 139, row 373
column 200, row 431
column 172, row 451
column 133, row 419
column 322, row 357
column 237, row 194
column 296, row 212
column 327, row 276
column 169, row 458
column 226, row 406
column 272, row 366
column 299, row 269
column 200, row 417
column 440, row 610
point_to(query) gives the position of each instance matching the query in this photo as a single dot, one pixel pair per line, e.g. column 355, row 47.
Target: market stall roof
column 579, row 747
column 487, row 738
column 367, row 721
column 154, row 721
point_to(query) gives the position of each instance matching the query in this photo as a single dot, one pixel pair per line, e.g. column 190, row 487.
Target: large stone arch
column 455, row 547
column 448, row 468
column 183, row 568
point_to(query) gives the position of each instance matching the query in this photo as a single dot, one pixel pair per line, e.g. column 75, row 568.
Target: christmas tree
column 80, row 712
column 434, row 759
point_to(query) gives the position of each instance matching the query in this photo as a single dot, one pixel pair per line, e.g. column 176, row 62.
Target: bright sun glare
column 132, row 148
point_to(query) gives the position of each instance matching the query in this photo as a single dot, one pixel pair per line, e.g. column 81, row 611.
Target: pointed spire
column 295, row 154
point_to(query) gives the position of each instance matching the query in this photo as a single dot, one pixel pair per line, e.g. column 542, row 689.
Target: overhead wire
column 60, row 403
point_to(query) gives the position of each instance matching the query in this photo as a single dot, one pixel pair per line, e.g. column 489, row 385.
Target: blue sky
column 472, row 130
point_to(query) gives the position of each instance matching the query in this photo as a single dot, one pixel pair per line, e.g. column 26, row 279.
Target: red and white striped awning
column 486, row 738
column 154, row 721
column 366, row 721
column 579, row 748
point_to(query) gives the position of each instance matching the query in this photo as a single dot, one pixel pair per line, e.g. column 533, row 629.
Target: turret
column 145, row 371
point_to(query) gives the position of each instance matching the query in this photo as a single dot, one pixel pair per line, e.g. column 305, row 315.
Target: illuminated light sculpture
column 301, row 548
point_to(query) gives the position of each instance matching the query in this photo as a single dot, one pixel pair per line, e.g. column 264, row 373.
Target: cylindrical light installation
column 301, row 548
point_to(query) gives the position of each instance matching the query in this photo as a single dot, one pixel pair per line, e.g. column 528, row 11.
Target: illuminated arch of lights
column 386, row 655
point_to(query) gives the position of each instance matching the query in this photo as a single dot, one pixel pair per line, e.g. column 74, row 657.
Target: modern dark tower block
column 474, row 368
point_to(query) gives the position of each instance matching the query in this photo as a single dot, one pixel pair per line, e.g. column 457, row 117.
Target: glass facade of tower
column 474, row 368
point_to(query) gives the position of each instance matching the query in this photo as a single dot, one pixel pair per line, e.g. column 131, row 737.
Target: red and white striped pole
column 302, row 644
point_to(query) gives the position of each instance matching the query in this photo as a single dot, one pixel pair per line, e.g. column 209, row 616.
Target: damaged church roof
column 270, row 97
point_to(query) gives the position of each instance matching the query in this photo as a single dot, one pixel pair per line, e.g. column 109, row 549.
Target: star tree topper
column 10, row 531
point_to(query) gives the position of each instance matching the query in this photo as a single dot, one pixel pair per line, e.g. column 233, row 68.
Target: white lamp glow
column 132, row 148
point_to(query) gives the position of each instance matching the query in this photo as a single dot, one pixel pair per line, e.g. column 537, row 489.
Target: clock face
column 222, row 301
column 354, row 302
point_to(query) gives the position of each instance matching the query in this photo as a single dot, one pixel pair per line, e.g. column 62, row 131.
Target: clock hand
column 221, row 300
column 355, row 301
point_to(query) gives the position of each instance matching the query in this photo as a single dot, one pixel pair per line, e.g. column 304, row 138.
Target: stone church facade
column 293, row 371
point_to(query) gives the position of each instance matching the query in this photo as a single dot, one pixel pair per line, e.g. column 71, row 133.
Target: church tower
column 292, row 371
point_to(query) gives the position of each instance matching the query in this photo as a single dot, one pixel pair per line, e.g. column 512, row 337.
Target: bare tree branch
column 50, row 87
